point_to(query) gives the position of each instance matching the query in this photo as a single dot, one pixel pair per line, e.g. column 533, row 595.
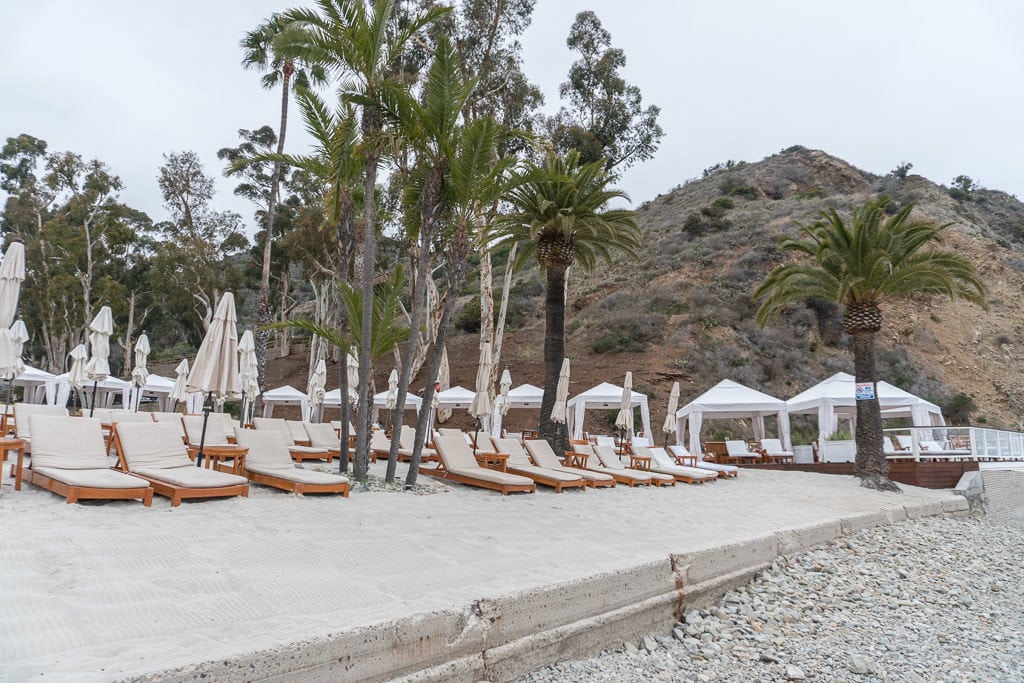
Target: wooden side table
column 7, row 444
column 214, row 457
column 639, row 462
column 577, row 460
column 494, row 461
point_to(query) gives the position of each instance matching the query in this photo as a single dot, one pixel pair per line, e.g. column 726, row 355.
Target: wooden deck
column 931, row 475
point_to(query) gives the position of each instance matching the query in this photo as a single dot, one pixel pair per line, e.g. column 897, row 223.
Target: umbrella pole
column 241, row 413
column 475, row 435
column 92, row 404
column 10, row 395
column 202, row 435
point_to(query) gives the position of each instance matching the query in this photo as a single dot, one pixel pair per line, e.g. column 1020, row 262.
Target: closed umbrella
column 444, row 381
column 76, row 375
column 670, row 416
column 501, row 403
column 624, row 420
column 391, row 399
column 561, row 393
column 98, row 367
column 18, row 336
column 12, row 274
column 215, row 370
column 140, row 373
column 316, row 388
column 178, row 392
column 480, row 408
column 352, row 367
column 248, row 373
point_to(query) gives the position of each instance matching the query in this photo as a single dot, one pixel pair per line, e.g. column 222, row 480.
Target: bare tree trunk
column 872, row 465
column 285, row 345
column 126, row 339
column 499, row 332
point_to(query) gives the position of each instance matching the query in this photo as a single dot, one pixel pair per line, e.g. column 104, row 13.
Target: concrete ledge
column 501, row 638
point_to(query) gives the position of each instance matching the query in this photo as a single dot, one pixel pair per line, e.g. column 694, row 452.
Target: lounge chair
column 320, row 435
column 663, row 463
column 171, row 418
column 723, row 471
column 408, row 440
column 458, row 464
column 154, row 451
column 519, row 463
column 774, row 451
column 70, row 459
column 737, row 452
column 380, row 447
column 611, row 464
column 621, row 474
column 22, row 424
column 268, row 462
column 543, row 456
column 299, row 452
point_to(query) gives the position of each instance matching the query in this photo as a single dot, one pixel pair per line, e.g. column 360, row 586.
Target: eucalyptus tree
column 260, row 53
column 860, row 264
column 559, row 214
column 358, row 42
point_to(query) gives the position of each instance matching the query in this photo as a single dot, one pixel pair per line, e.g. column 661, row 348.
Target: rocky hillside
column 684, row 311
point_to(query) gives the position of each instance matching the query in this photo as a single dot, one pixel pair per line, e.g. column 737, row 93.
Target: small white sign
column 865, row 391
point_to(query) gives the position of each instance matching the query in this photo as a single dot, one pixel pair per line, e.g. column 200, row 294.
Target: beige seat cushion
column 22, row 411
column 456, row 453
column 73, row 443
column 153, row 445
column 493, row 476
column 635, row 475
column 301, row 476
column 215, row 436
column 276, row 423
column 663, row 463
column 268, row 450
column 379, row 442
column 297, row 430
column 541, row 452
column 557, row 474
column 322, row 435
column 310, row 450
column 191, row 477
column 170, row 418
column 99, row 478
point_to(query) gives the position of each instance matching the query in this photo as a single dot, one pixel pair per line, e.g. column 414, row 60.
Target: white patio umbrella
column 12, row 274
column 444, row 381
column 624, row 420
column 76, row 375
column 391, row 399
column 480, row 408
column 18, row 335
column 504, row 386
column 317, row 386
column 140, row 373
column 248, row 373
column 352, row 368
column 215, row 370
column 670, row 416
column 178, row 392
column 98, row 367
column 561, row 393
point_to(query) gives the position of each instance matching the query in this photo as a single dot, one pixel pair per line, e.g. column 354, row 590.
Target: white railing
column 953, row 443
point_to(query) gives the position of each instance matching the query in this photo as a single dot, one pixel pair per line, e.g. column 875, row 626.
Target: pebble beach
column 934, row 599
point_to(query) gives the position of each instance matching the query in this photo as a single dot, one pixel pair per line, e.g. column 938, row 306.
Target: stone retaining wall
column 1004, row 494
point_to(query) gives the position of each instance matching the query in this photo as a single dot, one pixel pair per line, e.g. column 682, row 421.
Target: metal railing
column 953, row 443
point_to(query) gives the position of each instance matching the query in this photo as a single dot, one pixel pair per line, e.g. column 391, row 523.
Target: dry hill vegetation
column 684, row 311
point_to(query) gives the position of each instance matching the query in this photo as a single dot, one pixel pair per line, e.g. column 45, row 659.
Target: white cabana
column 157, row 387
column 604, row 396
column 729, row 399
column 835, row 398
column 107, row 391
column 524, row 396
column 285, row 396
column 332, row 399
column 456, row 397
column 38, row 385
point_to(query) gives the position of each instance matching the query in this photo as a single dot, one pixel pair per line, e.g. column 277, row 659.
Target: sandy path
column 97, row 591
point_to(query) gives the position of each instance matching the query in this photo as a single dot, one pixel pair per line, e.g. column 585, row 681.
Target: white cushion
column 74, row 443
column 516, row 455
column 556, row 474
column 268, row 449
column 276, row 423
column 540, row 451
column 152, row 445
column 664, row 463
column 99, row 478
column 310, row 450
column 493, row 476
column 379, row 442
column 635, row 475
column 215, row 435
column 774, row 447
column 456, row 453
column 738, row 449
column 608, row 457
column 191, row 477
column 297, row 430
column 322, row 435
column 170, row 418
column 22, row 426
column 715, row 467
column 300, row 476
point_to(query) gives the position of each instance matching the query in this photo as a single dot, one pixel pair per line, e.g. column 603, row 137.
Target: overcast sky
column 932, row 82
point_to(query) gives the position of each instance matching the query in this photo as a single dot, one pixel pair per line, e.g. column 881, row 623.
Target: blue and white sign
column 865, row 391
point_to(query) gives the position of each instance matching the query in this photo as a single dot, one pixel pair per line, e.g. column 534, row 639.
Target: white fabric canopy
column 38, row 385
column 456, row 397
column 605, row 396
column 524, row 396
column 107, row 391
column 729, row 399
column 835, row 398
column 285, row 396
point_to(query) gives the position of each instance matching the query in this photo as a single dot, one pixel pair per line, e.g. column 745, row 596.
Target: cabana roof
column 839, row 391
column 732, row 399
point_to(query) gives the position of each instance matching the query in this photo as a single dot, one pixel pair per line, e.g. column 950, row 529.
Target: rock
column 650, row 644
column 692, row 617
column 860, row 664
column 631, row 648
column 679, row 634
column 794, row 673
column 769, row 657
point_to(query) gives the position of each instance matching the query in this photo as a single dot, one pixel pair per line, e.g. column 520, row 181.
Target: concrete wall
column 501, row 638
column 1004, row 494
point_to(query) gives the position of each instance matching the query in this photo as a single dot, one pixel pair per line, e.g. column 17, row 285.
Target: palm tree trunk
column 263, row 315
column 554, row 433
column 871, row 465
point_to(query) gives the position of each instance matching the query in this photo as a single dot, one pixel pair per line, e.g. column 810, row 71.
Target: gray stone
column 860, row 664
column 794, row 673
column 650, row 644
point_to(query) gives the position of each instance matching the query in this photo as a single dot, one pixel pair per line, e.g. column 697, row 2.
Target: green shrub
column 737, row 187
column 724, row 203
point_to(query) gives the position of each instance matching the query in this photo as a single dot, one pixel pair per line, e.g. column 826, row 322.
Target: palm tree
column 261, row 54
column 860, row 265
column 357, row 40
column 559, row 216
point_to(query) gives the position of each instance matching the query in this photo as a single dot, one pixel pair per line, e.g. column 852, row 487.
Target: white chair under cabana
column 732, row 400
column 604, row 396
column 834, row 399
column 525, row 396
column 285, row 396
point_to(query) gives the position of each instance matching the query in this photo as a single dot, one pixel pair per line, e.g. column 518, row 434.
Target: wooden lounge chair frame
column 538, row 478
column 178, row 493
column 297, row 487
column 441, row 472
column 73, row 494
column 591, row 483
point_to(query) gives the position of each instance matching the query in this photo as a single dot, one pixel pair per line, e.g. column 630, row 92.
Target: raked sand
column 99, row 591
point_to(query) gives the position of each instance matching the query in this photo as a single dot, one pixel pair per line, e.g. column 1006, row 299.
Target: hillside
column 684, row 310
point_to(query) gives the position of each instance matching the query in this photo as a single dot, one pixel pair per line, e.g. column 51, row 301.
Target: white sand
column 101, row 590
